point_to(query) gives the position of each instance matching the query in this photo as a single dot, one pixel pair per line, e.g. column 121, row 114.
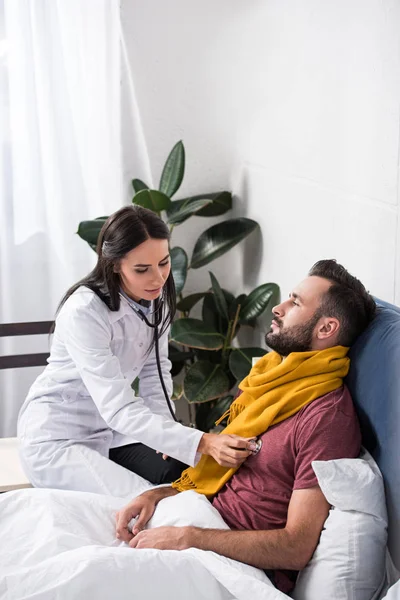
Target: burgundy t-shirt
column 257, row 496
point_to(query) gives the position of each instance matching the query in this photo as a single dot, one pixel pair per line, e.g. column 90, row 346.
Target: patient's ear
column 327, row 328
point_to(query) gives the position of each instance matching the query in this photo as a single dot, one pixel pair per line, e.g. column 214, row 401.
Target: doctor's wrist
column 205, row 443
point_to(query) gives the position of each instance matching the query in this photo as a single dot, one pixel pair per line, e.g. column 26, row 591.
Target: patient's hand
column 164, row 538
column 143, row 508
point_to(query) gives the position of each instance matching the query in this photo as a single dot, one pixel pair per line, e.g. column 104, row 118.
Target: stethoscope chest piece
column 258, row 444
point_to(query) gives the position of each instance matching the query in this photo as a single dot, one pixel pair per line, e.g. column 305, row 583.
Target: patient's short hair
column 347, row 300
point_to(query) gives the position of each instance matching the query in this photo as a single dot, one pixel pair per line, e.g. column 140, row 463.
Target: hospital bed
column 57, row 544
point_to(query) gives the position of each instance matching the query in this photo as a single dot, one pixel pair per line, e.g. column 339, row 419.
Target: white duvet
column 58, row 545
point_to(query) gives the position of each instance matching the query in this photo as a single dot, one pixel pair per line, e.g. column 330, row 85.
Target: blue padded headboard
column 374, row 382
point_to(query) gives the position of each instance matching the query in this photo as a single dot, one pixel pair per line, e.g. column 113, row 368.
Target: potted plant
column 207, row 364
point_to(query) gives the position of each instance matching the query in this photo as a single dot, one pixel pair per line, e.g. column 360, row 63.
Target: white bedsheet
column 58, row 545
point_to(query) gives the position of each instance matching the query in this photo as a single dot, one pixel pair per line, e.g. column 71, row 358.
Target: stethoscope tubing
column 155, row 325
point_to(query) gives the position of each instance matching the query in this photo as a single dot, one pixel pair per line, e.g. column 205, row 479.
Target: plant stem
column 229, row 337
column 225, row 347
column 235, row 323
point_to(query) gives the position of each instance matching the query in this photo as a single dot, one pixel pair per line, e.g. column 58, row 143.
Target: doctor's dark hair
column 347, row 300
column 123, row 231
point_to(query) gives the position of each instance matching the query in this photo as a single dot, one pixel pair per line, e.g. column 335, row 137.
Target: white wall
column 294, row 106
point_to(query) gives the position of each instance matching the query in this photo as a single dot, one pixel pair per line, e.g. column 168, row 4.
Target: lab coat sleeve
column 149, row 382
column 87, row 339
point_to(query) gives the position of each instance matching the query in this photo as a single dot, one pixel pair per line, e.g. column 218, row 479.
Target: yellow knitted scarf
column 274, row 390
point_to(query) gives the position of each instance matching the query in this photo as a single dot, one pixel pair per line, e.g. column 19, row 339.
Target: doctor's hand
column 142, row 508
column 227, row 449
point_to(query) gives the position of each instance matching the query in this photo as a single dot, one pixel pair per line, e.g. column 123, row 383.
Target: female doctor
column 81, row 426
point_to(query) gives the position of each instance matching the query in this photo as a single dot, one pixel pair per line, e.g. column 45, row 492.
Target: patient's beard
column 293, row 339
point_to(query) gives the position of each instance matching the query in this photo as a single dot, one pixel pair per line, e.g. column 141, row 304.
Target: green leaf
column 213, row 356
column 221, row 406
column 221, row 203
column 177, row 391
column 186, row 304
column 210, row 314
column 179, row 265
column 204, row 382
column 240, row 360
column 257, row 301
column 195, row 334
column 219, row 297
column 89, row 230
column 229, row 297
column 214, row 205
column 135, row 385
column 235, row 303
column 174, row 169
column 181, row 210
column 139, row 185
column 153, row 200
column 220, row 238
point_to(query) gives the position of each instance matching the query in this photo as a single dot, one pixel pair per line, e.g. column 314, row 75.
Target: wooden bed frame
column 12, row 476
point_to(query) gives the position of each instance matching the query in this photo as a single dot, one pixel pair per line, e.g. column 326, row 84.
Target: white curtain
column 61, row 158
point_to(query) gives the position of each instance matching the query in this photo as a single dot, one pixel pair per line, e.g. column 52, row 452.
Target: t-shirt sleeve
column 326, row 433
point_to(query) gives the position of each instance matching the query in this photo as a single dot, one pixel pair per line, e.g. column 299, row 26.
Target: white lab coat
column 83, row 403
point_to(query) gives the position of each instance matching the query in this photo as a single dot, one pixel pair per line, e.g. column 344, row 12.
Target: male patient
column 295, row 406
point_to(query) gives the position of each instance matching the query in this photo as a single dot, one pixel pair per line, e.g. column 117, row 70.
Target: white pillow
column 349, row 561
column 393, row 592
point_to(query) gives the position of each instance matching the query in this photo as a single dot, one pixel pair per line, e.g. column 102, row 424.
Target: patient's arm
column 143, row 508
column 289, row 548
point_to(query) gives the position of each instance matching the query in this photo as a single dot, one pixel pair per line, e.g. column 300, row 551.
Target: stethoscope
column 157, row 322
column 258, row 444
column 155, row 325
